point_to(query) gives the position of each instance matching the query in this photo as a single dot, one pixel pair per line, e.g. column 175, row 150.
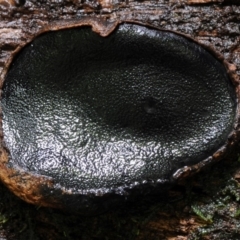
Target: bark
column 203, row 207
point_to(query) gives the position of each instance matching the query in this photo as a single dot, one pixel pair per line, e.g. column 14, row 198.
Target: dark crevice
column 231, row 3
column 20, row 2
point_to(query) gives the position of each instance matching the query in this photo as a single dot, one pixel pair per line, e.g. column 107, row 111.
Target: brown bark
column 212, row 22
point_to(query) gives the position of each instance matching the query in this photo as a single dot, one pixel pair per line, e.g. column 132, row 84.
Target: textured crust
column 40, row 190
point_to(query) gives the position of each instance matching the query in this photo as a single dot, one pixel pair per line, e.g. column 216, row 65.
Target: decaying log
column 212, row 22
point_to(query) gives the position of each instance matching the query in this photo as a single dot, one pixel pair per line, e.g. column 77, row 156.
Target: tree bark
column 205, row 206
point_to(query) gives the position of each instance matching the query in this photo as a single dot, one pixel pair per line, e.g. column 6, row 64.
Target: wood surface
column 205, row 206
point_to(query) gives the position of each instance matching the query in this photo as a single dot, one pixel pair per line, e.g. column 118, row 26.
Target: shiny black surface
column 101, row 113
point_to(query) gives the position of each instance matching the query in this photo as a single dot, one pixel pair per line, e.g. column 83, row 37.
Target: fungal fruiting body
column 103, row 114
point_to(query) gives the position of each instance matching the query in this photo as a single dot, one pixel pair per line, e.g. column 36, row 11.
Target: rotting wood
column 214, row 24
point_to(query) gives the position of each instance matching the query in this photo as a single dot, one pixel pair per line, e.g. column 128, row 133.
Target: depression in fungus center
column 96, row 112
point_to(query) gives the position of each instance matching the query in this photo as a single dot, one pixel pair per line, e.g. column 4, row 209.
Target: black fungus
column 99, row 113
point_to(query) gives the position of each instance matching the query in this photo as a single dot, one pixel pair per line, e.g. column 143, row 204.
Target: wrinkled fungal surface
column 100, row 113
